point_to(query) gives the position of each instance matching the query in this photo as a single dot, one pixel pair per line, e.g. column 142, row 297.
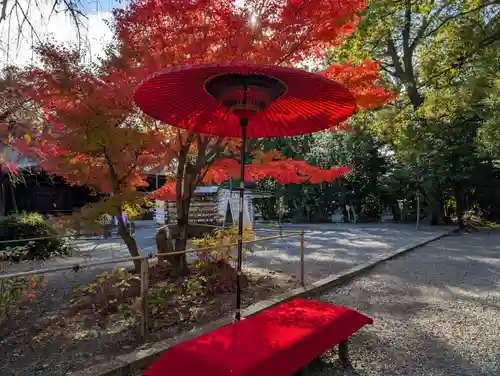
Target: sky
column 16, row 47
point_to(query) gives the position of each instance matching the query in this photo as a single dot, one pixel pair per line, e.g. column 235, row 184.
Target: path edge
column 124, row 365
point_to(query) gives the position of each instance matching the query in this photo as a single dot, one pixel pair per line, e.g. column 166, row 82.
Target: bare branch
column 3, row 11
column 407, row 26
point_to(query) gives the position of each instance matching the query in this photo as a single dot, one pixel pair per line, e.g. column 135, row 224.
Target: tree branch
column 450, row 18
column 423, row 27
column 3, row 11
column 396, row 63
column 406, row 28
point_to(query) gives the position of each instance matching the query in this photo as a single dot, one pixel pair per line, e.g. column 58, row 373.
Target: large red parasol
column 244, row 100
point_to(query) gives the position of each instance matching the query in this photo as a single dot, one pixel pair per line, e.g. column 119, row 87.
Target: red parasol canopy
column 276, row 101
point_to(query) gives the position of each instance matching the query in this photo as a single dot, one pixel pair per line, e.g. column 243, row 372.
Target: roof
column 207, row 189
column 254, row 193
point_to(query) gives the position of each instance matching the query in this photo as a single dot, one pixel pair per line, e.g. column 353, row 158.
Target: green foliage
column 110, row 290
column 30, row 226
column 159, row 296
column 16, row 253
column 221, row 237
column 14, row 292
column 443, row 129
column 194, row 286
column 371, row 210
column 358, row 149
column 215, row 273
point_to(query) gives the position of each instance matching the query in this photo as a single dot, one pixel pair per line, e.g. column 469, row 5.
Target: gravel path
column 330, row 248
column 436, row 312
column 335, row 247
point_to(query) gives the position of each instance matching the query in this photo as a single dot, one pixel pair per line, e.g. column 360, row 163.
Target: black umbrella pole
column 243, row 123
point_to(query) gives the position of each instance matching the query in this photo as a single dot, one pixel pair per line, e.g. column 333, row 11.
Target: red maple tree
column 92, row 134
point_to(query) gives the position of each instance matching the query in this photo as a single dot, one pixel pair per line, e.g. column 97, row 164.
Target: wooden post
column 344, row 353
column 78, row 226
column 418, row 210
column 302, row 258
column 144, row 297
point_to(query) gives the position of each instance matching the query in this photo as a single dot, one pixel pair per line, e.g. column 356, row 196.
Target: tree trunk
column 436, row 211
column 129, row 241
column 3, row 198
column 122, row 228
column 164, row 243
column 459, row 199
column 179, row 262
column 13, row 196
column 414, row 95
column 435, row 208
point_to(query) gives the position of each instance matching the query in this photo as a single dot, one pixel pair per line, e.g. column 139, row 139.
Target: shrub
column 222, row 236
column 216, row 272
column 15, row 291
column 110, row 290
column 159, row 297
column 29, row 226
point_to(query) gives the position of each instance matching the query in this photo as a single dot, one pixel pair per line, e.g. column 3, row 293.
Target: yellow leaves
column 132, row 209
column 223, row 237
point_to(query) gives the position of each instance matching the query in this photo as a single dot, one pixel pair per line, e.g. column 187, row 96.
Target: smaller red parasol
column 244, row 100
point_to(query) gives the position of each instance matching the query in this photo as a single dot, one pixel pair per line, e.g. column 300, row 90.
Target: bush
column 215, row 266
column 15, row 291
column 29, row 226
column 110, row 290
column 220, row 237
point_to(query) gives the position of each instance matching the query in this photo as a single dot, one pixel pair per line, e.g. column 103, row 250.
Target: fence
column 144, row 272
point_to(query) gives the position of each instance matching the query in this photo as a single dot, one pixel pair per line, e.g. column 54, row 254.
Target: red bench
column 275, row 342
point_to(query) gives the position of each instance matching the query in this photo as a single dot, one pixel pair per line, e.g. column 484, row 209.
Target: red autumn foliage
column 262, row 32
column 266, row 165
column 284, row 171
column 91, row 132
column 361, row 82
column 91, row 135
column 160, row 34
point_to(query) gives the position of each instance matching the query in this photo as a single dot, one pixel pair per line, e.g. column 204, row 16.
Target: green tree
column 434, row 52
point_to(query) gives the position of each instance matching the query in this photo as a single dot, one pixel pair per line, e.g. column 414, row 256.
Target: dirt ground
column 47, row 337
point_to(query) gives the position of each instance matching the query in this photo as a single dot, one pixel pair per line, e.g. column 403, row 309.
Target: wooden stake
column 344, row 353
column 144, row 297
column 302, row 258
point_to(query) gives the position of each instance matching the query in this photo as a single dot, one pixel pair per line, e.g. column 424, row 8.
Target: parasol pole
column 243, row 125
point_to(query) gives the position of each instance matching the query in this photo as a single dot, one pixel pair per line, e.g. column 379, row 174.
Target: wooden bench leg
column 343, row 353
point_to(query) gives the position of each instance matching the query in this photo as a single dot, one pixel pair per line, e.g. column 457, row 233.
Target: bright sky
column 16, row 47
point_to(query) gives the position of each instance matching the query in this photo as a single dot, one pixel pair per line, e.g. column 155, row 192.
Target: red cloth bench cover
column 276, row 342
